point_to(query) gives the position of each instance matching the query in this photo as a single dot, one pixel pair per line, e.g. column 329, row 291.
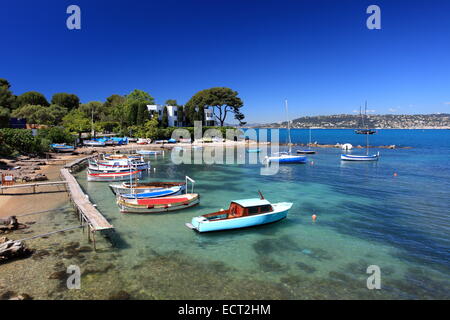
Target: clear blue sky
column 318, row 54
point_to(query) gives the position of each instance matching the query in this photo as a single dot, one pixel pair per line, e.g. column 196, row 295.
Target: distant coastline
column 350, row 121
column 327, row 128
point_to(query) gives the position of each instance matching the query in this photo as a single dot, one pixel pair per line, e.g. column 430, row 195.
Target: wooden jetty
column 33, row 185
column 88, row 212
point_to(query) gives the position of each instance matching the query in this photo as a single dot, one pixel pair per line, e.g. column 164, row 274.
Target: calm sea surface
column 366, row 216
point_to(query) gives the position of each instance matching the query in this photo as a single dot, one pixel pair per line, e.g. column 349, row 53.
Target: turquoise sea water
column 366, row 216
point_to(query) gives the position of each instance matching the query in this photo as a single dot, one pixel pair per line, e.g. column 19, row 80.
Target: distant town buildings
column 387, row 121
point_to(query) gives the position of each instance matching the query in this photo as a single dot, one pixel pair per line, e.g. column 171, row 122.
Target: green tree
column 171, row 102
column 37, row 114
column 139, row 95
column 56, row 135
column 4, row 117
column 76, row 121
column 7, row 99
column 165, row 118
column 151, row 128
column 119, row 113
column 180, row 116
column 114, row 101
column 239, row 117
column 142, row 113
column 222, row 100
column 31, row 98
column 20, row 141
column 66, row 100
column 132, row 113
column 93, row 109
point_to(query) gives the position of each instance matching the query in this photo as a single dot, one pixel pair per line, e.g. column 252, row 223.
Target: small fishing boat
column 365, row 131
column 158, row 205
column 307, row 151
column 286, row 157
column 112, row 176
column 122, row 157
column 354, row 157
column 93, row 143
column 348, row 157
column 257, row 150
column 143, row 187
column 158, row 193
column 241, row 214
column 149, row 152
column 118, row 165
column 62, row 147
column 142, row 141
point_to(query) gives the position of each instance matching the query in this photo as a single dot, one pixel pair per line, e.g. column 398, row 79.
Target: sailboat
column 307, row 151
column 364, row 131
column 286, row 157
column 366, row 157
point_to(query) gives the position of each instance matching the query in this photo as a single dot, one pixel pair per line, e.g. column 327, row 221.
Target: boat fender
column 314, row 217
column 150, row 206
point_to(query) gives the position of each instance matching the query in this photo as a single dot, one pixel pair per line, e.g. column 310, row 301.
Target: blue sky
column 318, row 54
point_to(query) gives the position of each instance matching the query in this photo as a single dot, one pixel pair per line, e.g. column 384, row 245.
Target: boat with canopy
column 241, row 214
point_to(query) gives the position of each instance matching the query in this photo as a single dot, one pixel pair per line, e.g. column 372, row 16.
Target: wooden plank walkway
column 92, row 216
column 32, row 185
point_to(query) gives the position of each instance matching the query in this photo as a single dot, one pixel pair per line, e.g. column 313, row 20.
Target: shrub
column 20, row 141
column 56, row 135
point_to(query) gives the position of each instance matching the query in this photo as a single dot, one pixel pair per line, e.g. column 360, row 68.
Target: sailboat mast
column 288, row 125
column 309, row 136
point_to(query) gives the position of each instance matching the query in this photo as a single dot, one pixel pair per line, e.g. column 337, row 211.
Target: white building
column 172, row 112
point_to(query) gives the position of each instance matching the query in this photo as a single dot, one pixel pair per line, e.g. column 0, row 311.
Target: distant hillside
column 387, row 121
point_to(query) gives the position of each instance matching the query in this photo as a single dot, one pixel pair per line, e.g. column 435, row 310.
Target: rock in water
column 11, row 249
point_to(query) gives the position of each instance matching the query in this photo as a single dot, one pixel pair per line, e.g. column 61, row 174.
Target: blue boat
column 62, row 147
column 285, row 157
column 241, row 214
column 154, row 194
column 348, row 157
column 93, row 143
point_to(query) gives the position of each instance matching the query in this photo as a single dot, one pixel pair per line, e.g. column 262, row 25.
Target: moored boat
column 348, row 157
column 306, row 151
column 241, row 214
column 118, row 165
column 62, row 147
column 112, row 176
column 142, row 187
column 122, row 156
column 157, row 193
column 158, row 205
column 149, row 152
column 93, row 143
column 285, row 157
